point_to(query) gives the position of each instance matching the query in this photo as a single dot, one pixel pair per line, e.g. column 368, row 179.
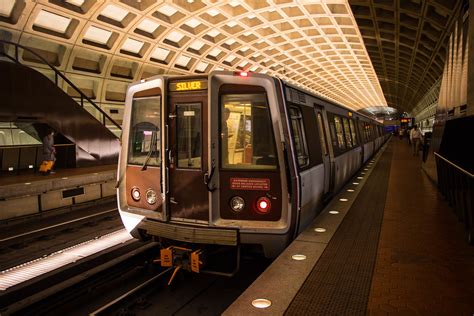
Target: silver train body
column 234, row 158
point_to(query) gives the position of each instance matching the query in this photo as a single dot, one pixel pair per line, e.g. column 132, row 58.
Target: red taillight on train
column 242, row 73
column 263, row 205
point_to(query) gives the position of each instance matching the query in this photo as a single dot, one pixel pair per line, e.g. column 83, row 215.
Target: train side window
column 353, row 132
column 188, row 135
column 347, row 132
column 324, row 146
column 367, row 132
column 247, row 140
column 145, row 140
column 339, row 133
column 299, row 137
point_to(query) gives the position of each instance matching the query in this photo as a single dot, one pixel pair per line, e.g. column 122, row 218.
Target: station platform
column 31, row 194
column 389, row 243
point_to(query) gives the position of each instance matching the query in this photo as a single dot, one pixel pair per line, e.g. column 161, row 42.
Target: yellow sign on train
column 188, row 85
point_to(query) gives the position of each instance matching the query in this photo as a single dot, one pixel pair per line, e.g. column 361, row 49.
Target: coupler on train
column 223, row 261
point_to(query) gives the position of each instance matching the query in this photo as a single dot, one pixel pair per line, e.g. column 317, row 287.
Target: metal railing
column 457, row 185
column 103, row 117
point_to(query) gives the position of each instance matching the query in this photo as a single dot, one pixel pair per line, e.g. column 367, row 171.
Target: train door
column 187, row 110
column 141, row 159
column 324, row 148
column 360, row 137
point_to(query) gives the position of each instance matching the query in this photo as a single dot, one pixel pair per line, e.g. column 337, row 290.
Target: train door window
column 299, row 137
column 247, row 140
column 188, row 135
column 367, row 132
column 347, row 132
column 353, row 132
column 322, row 134
column 339, row 133
column 145, row 140
column 332, row 130
column 362, row 132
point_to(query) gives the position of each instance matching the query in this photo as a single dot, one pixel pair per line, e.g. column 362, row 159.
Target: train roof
column 324, row 99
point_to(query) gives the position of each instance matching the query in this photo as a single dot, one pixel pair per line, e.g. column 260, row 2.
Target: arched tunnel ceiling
column 316, row 44
column 407, row 43
column 103, row 45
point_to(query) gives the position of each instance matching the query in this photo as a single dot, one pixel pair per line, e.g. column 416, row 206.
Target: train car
column 231, row 159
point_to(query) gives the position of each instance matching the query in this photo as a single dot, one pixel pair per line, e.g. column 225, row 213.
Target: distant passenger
column 400, row 133
column 225, row 136
column 416, row 138
column 49, row 152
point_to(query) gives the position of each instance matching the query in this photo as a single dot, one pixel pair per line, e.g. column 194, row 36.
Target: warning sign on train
column 250, row 184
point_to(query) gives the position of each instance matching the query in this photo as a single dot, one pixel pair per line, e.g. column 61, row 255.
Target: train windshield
column 145, row 140
column 247, row 140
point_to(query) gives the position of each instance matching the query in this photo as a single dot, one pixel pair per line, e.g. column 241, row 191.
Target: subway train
column 231, row 159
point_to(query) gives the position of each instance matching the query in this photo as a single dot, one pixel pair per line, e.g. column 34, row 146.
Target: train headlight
column 136, row 194
column 263, row 205
column 237, row 204
column 150, row 196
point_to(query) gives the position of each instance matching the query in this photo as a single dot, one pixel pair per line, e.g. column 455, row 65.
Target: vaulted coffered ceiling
column 104, row 45
column 407, row 43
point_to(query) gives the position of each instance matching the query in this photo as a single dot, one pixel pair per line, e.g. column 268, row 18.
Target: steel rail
column 456, row 166
column 129, row 293
column 9, row 239
column 74, row 280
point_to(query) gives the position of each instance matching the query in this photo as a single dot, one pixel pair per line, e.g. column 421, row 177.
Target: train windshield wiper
column 152, row 146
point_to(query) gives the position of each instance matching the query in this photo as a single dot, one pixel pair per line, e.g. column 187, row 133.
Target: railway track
column 32, row 243
column 43, row 294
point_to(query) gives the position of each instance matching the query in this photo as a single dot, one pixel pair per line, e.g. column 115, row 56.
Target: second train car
column 234, row 158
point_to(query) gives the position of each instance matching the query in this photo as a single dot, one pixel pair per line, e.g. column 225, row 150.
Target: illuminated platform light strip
column 56, row 260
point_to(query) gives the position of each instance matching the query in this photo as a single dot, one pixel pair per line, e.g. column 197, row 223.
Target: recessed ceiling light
column 167, row 10
column 343, row 200
column 215, row 52
column 334, row 212
column 148, row 26
column 77, row 3
column 132, row 46
column 355, row 183
column 201, row 66
column 350, row 190
column 183, row 61
column 97, row 35
column 52, row 21
column 213, row 33
column 213, row 12
column 6, row 8
column 160, row 54
column 320, row 230
column 175, row 36
column 196, row 45
column 193, row 23
column 114, row 12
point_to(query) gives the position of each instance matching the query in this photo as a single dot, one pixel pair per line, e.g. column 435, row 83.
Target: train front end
column 202, row 162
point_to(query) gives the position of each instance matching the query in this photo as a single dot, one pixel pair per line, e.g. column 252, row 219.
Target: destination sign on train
column 188, row 85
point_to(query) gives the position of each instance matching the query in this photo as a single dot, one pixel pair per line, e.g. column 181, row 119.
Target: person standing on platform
column 415, row 137
column 49, row 152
